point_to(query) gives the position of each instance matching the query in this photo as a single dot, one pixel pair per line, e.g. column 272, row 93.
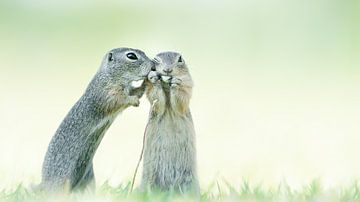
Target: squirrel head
column 170, row 64
column 125, row 65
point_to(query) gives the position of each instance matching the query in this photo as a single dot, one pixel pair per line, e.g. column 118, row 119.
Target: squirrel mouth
column 137, row 83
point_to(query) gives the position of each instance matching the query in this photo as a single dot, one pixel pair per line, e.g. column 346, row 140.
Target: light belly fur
column 170, row 156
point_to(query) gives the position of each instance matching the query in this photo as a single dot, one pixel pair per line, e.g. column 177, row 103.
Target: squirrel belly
column 170, row 154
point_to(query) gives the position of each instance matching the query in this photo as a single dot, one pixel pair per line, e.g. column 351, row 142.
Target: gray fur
column 68, row 160
column 170, row 152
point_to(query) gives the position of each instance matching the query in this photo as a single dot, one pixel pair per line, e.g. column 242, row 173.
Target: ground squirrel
column 68, row 160
column 170, row 152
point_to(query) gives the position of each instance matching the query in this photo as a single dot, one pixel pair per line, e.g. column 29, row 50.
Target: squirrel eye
column 180, row 59
column 131, row 56
column 110, row 57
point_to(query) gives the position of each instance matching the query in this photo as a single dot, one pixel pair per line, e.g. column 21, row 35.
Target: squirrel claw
column 174, row 85
column 175, row 82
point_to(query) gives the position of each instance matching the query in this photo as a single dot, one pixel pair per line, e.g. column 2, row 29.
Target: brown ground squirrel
column 68, row 161
column 170, row 151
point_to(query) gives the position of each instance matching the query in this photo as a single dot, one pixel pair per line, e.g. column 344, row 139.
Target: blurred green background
column 276, row 94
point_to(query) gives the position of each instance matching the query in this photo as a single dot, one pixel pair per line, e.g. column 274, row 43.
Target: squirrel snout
column 168, row 70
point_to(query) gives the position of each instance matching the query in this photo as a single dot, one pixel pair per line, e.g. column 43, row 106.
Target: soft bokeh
column 276, row 94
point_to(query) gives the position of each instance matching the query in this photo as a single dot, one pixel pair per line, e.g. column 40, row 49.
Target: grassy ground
column 215, row 192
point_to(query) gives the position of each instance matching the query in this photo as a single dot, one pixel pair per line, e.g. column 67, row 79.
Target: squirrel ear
column 180, row 59
column 110, row 57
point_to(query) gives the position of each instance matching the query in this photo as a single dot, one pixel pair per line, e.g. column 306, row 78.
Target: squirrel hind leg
column 87, row 182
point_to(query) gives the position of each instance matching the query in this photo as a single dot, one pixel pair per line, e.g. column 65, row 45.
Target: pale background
column 276, row 94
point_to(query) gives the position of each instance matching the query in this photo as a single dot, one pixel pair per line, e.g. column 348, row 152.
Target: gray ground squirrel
column 170, row 153
column 68, row 161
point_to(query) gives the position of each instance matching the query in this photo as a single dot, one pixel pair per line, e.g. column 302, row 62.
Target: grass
column 215, row 192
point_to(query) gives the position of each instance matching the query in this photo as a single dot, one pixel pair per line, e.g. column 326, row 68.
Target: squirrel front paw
column 134, row 101
column 175, row 82
column 153, row 77
column 137, row 91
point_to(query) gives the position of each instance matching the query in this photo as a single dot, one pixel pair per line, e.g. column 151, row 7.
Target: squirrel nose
column 168, row 70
